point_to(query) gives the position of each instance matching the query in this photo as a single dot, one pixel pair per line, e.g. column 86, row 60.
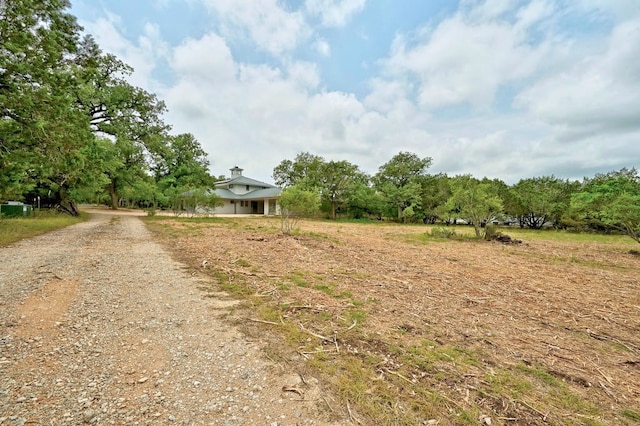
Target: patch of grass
column 326, row 289
column 570, row 258
column 357, row 315
column 541, row 374
column 234, row 285
column 438, row 234
column 242, row 262
column 503, row 382
column 631, row 414
column 299, row 278
column 565, row 236
column 16, row 229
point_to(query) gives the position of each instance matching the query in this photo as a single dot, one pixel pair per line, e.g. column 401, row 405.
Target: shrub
column 442, row 232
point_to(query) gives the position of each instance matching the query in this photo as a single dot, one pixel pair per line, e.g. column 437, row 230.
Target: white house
column 243, row 195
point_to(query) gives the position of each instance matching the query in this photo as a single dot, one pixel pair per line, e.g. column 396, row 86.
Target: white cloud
column 143, row 56
column 466, row 58
column 267, row 24
column 599, row 94
column 334, row 13
column 208, row 58
column 322, row 47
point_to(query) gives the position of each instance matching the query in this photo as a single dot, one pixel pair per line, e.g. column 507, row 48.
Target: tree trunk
column 113, row 194
column 65, row 204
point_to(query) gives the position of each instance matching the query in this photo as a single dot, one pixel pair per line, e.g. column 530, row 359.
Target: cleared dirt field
column 408, row 329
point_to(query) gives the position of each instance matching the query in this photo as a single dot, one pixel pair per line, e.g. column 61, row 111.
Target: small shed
column 16, row 209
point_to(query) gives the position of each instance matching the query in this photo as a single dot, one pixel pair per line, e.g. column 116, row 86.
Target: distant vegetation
column 404, row 191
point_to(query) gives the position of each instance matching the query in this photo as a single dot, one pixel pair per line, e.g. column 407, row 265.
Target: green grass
column 16, row 229
column 631, row 414
column 565, row 236
column 431, row 234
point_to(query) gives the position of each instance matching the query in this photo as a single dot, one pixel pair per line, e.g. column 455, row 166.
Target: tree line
column 72, row 129
column 403, row 190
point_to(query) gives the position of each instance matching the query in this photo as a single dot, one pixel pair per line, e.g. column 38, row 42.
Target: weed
column 299, row 279
column 325, row 288
column 242, row 262
column 233, row 285
column 631, row 414
column 442, row 232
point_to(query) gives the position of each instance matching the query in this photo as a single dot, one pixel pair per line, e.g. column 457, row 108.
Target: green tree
column 400, row 181
column 535, row 201
column 476, row 201
column 610, row 201
column 337, row 180
column 181, row 167
column 304, row 171
column 364, row 201
column 435, row 192
column 126, row 114
column 41, row 133
column 296, row 203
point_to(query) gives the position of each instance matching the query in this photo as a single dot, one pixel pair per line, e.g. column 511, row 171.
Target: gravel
column 100, row 326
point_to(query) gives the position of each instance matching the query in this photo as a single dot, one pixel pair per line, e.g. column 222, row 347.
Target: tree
column 126, row 114
column 435, row 192
column 611, row 201
column 400, row 180
column 476, row 201
column 304, row 171
column 41, row 134
column 337, row 180
column 363, row 200
column 535, row 201
column 181, row 167
column 296, row 203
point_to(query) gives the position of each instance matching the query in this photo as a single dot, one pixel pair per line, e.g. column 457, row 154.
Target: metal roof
column 272, row 192
column 242, row 180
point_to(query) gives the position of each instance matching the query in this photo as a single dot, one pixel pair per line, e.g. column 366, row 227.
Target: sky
column 507, row 89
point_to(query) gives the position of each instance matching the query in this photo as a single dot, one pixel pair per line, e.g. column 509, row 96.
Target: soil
column 100, row 326
column 568, row 309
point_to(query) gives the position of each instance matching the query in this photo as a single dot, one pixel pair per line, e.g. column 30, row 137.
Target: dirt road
column 99, row 325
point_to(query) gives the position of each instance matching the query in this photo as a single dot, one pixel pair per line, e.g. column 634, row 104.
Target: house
column 243, row 195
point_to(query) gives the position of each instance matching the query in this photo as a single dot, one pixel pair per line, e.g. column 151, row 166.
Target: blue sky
column 506, row 89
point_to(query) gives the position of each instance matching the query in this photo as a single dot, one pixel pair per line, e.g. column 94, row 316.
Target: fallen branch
column 608, row 392
column 294, row 390
column 395, row 373
column 355, row 322
column 354, row 419
column 319, row 336
column 263, row 321
column 543, row 415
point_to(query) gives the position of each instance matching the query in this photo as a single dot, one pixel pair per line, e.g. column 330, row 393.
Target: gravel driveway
column 99, row 325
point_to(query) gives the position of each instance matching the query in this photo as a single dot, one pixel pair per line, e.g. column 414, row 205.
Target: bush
column 442, row 232
column 491, row 232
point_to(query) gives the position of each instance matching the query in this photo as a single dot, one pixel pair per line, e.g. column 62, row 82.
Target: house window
column 247, row 187
column 231, row 201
